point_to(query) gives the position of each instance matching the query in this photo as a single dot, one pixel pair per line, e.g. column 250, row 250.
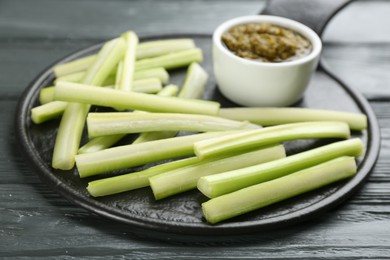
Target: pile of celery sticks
column 234, row 156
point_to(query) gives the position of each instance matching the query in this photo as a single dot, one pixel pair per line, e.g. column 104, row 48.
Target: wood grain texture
column 37, row 223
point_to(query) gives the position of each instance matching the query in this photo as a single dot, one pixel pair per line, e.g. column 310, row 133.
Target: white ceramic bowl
column 254, row 83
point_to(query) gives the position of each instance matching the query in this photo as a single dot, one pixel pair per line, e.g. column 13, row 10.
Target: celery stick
column 126, row 76
column 150, row 85
column 100, row 143
column 183, row 179
column 103, row 142
column 159, row 73
column 195, row 82
column 161, row 47
column 100, row 124
column 125, row 156
column 270, row 135
column 216, row 185
column 267, row 116
column 46, row 95
column 72, row 123
column 47, row 111
column 267, row 193
column 78, row 65
column 146, row 85
column 168, row 91
column 144, row 50
column 74, row 92
column 118, row 75
column 172, row 60
column 73, row 77
column 151, row 136
column 134, row 180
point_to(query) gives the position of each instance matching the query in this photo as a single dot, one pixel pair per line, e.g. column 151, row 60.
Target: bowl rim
column 276, row 20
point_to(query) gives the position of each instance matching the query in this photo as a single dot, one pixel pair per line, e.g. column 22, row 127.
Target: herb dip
column 266, row 42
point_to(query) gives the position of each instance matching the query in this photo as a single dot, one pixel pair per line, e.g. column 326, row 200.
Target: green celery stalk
column 172, row 60
column 100, row 124
column 168, row 91
column 186, row 178
column 147, row 85
column 72, row 123
column 103, row 142
column 78, row 65
column 270, row 135
column 118, row 75
column 125, row 156
column 46, row 95
column 267, row 116
column 74, row 92
column 100, row 143
column 47, row 111
column 161, row 47
column 133, row 180
column 267, row 193
column 159, row 73
column 73, row 77
column 216, row 185
column 195, row 82
column 144, row 50
column 126, row 76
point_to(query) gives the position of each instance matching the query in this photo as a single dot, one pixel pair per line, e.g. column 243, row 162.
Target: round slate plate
column 181, row 214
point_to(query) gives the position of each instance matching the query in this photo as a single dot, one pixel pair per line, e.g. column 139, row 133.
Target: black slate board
column 181, row 214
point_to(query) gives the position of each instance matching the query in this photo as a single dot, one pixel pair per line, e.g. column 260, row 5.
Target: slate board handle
column 313, row 13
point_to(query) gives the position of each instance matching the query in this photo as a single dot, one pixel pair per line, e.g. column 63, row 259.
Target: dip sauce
column 266, row 42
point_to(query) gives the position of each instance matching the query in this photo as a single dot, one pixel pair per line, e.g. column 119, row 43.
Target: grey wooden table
column 36, row 222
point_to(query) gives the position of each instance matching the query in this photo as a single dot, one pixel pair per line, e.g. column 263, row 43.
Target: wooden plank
column 69, row 230
column 106, row 19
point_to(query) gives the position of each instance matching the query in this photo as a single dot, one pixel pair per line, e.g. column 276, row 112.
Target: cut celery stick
column 46, row 95
column 149, row 85
column 103, row 142
column 125, row 156
column 168, row 91
column 118, row 75
column 74, row 92
column 125, row 78
column 267, row 193
column 151, row 136
column 270, row 135
column 161, row 47
column 172, row 60
column 78, row 65
column 216, row 185
column 100, row 124
column 47, row 111
column 183, row 179
column 144, row 50
column 73, row 77
column 72, row 123
column 267, row 116
column 134, row 180
column 194, row 83
column 100, row 143
column 159, row 73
